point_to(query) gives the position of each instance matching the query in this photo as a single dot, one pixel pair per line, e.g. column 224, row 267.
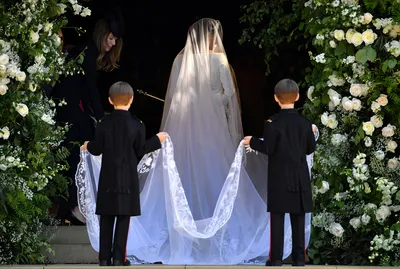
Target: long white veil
column 202, row 196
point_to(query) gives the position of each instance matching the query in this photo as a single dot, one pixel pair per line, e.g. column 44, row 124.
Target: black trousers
column 297, row 222
column 113, row 244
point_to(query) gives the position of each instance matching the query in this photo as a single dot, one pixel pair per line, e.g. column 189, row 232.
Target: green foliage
column 270, row 23
column 32, row 159
column 354, row 98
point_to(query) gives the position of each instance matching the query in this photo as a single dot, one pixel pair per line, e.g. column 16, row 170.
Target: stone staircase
column 72, row 246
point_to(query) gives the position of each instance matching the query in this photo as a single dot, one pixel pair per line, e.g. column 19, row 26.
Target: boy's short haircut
column 286, row 90
column 120, row 93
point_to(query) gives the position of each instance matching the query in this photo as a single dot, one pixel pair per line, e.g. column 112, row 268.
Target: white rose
column 391, row 146
column 86, row 12
column 369, row 37
column 40, row 59
column 382, row 100
column 388, row 131
column 3, row 69
column 347, row 104
column 34, row 37
column 368, row 128
column 4, row 81
column 324, row 118
column 332, row 44
column 22, row 109
column 4, row 59
column 77, row 9
column 61, row 8
column 393, row 163
column 349, row 35
column 382, row 213
column 375, row 107
column 324, row 187
column 32, row 87
column 331, row 106
column 3, row 89
column 336, row 229
column 334, row 96
column 355, row 222
column 339, row 35
column 10, row 159
column 5, row 133
column 356, row 90
column 20, row 76
column 365, row 219
column 377, row 121
column 3, row 167
column 380, row 155
column 310, row 92
column 47, row 27
column 332, row 122
column 367, row 18
column 368, row 141
column 356, row 104
column 357, row 39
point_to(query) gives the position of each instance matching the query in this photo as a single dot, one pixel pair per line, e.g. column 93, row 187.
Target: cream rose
column 324, row 187
column 368, row 128
column 393, row 163
column 336, row 229
column 357, row 39
column 3, row 69
column 391, row 146
column 358, row 89
column 367, row 18
column 332, row 122
column 310, row 93
column 5, row 133
column 369, row 37
column 34, row 37
column 375, row 107
column 382, row 100
column 3, row 89
column 324, row 118
column 349, row 35
column 388, row 131
column 4, row 59
column 377, row 121
column 339, row 35
column 356, row 104
column 22, row 109
column 21, row 76
column 347, row 104
column 380, row 155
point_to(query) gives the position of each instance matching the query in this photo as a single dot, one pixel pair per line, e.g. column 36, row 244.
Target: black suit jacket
column 121, row 139
column 288, row 139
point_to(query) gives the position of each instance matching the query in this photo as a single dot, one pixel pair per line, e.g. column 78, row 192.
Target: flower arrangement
column 354, row 97
column 31, row 158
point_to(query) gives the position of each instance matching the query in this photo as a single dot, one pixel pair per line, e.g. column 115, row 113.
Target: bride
column 202, row 196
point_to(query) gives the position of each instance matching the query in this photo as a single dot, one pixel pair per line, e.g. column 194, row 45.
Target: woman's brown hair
column 106, row 61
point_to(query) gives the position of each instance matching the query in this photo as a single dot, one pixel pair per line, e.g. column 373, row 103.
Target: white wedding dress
column 202, row 196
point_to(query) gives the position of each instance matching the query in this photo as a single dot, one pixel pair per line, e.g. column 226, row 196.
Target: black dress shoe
column 157, row 263
column 273, row 263
column 122, row 263
column 105, row 263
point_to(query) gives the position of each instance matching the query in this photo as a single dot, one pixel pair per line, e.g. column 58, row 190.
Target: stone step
column 85, row 266
column 72, row 246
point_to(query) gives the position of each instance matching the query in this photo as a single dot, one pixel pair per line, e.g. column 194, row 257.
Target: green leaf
column 385, row 66
column 361, row 56
column 392, row 63
column 371, row 54
column 398, row 196
column 301, row 26
column 396, row 227
column 340, row 49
